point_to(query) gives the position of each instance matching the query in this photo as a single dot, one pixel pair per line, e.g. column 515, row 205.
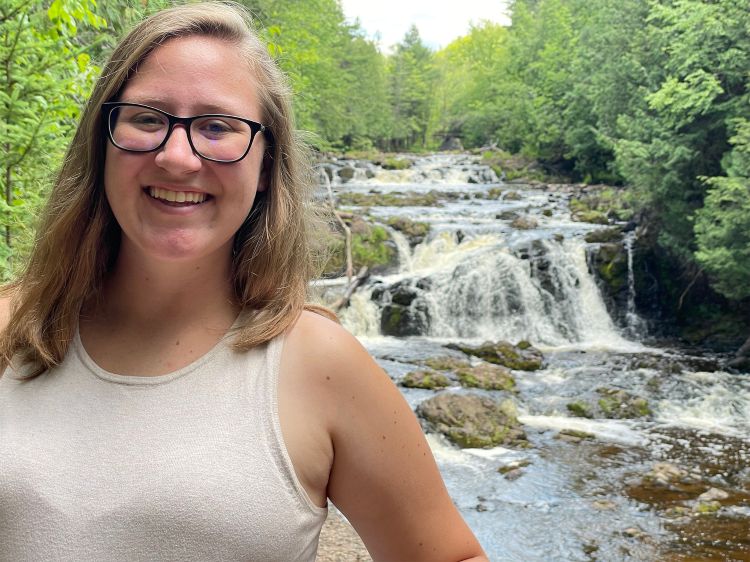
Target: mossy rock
column 414, row 231
column 446, row 363
column 394, row 163
column 470, row 420
column 494, row 193
column 505, row 354
column 391, row 199
column 592, row 217
column 429, row 380
column 487, row 377
column 524, row 223
column 619, row 404
column 579, row 409
column 604, row 236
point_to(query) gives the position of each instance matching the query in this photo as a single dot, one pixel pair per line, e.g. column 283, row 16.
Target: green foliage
column 45, row 76
column 722, row 226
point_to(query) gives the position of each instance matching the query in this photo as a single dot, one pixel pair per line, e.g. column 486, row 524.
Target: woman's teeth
column 176, row 196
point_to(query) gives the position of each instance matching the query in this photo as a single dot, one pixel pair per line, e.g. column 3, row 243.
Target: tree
column 44, row 76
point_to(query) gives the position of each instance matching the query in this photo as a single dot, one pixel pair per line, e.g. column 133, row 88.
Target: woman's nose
column 177, row 156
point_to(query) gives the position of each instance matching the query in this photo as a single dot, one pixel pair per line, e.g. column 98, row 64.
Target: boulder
column 487, row 377
column 346, row 173
column 470, row 420
column 505, row 354
column 619, row 404
column 429, row 380
column 524, row 223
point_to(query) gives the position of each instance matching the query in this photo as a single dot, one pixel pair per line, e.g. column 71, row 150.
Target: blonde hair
column 78, row 237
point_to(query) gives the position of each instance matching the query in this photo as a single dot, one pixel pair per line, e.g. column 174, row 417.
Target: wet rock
column 619, row 404
column 470, row 420
column 507, row 216
column 573, row 435
column 604, row 505
column 706, row 507
column 635, row 533
column 405, row 311
column 414, row 231
column 514, row 474
column 446, row 363
column 713, row 494
column 604, row 236
column 481, row 507
column 579, row 409
column 346, row 173
column 665, row 474
column 512, row 196
column 494, row 193
column 524, row 223
column 514, row 466
column 487, row 377
column 505, row 354
column 547, row 212
column 429, row 380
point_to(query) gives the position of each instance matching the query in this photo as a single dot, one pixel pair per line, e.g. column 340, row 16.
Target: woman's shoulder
column 325, row 347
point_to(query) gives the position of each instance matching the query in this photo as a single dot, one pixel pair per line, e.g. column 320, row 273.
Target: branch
column 353, row 284
column 690, row 286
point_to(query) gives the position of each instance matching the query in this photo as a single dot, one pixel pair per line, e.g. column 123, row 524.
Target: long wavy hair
column 78, row 237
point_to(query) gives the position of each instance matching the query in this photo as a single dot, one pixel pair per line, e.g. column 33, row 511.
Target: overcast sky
column 439, row 22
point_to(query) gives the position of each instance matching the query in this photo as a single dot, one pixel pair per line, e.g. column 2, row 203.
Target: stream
column 603, row 489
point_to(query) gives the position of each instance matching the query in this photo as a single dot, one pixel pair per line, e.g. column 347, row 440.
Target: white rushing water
column 479, row 276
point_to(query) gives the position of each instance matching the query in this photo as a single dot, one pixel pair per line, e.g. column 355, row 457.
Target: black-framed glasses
column 216, row 137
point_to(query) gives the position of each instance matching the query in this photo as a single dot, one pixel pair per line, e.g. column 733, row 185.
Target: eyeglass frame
column 109, row 106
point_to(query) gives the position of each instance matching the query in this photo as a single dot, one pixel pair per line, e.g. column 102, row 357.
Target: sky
column 439, row 21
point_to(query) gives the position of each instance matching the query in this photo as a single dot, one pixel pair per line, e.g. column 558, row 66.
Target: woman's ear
column 266, row 171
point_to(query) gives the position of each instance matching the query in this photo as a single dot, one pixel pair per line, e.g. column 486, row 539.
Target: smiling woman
column 207, row 414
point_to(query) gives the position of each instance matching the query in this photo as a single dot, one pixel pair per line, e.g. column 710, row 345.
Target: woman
column 167, row 396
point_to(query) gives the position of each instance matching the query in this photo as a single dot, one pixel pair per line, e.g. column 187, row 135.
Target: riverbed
column 507, row 262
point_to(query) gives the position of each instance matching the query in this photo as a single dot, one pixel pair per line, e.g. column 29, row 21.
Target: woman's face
column 186, row 77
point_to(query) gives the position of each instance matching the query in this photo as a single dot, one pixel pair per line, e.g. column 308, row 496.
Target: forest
column 650, row 96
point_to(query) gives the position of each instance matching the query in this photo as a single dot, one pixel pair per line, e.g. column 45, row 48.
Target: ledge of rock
column 470, row 420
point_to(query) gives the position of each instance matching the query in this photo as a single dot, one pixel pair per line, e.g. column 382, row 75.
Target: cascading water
column 512, row 266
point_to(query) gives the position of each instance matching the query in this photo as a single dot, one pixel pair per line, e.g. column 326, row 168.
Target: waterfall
column 635, row 325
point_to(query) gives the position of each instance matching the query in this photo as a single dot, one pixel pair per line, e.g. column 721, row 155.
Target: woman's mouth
column 176, row 198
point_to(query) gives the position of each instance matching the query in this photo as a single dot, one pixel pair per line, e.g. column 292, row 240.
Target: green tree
column 44, row 76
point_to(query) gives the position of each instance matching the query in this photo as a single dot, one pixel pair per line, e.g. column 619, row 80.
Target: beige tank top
column 186, row 466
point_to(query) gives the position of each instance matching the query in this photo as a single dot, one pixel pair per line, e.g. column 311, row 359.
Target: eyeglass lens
column 142, row 129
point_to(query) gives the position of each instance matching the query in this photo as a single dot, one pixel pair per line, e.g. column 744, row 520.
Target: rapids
column 478, row 277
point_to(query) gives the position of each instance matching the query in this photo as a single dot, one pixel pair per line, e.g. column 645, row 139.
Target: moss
column 494, row 193
column 706, row 508
column 523, row 344
column 414, row 230
column 486, row 377
column 579, row 409
column 395, row 163
column 446, row 363
column 425, row 379
column 393, row 199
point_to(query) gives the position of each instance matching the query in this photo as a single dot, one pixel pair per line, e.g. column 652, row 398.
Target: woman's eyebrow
column 164, row 105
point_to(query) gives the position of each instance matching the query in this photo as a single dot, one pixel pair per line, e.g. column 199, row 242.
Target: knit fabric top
column 188, row 466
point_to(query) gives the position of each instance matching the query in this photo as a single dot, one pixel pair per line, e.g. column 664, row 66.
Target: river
column 622, row 489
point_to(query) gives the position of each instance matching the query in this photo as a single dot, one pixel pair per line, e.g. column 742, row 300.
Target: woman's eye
column 215, row 127
column 147, row 120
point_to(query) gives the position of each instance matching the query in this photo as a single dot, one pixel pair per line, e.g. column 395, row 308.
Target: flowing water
column 476, row 277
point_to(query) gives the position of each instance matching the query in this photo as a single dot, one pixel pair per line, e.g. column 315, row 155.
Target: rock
column 451, row 143
column 446, row 363
column 512, row 196
column 505, row 354
column 713, row 494
column 346, row 173
column 507, row 216
column 579, row 409
column 573, row 435
column 635, row 533
column 604, row 505
column 665, row 474
column 494, row 193
column 604, row 235
column 414, row 231
column 481, row 507
column 514, row 474
column 514, row 465
column 470, row 420
column 400, row 320
column 619, row 404
column 524, row 223
column 705, row 508
column 425, row 379
column 488, row 377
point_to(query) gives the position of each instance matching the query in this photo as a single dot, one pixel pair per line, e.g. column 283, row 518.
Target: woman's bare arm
column 383, row 476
